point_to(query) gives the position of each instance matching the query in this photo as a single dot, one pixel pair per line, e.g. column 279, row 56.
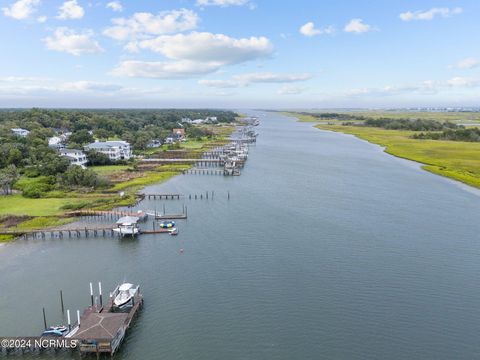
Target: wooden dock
column 101, row 329
column 76, row 232
column 161, row 196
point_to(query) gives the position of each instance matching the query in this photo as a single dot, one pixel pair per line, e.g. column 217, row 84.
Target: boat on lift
column 127, row 226
column 124, row 294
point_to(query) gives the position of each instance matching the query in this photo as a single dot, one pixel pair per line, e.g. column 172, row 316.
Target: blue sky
column 239, row 53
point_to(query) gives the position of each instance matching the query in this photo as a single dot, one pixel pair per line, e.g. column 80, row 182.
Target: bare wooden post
column 44, row 319
column 61, row 301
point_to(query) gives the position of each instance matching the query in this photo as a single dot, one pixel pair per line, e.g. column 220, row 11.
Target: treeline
column 407, row 124
column 31, row 156
column 385, row 122
column 135, row 126
column 462, row 134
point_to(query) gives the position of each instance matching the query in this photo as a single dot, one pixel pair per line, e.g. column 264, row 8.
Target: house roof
column 107, row 144
column 71, row 151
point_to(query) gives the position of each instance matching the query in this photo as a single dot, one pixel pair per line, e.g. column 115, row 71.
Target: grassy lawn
column 161, row 174
column 18, row 205
column 47, row 211
column 454, row 159
column 108, row 169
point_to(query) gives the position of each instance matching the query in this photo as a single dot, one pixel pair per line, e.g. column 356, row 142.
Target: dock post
column 91, row 293
column 78, row 317
column 61, row 301
column 163, row 209
column 68, row 320
column 100, row 292
column 44, row 319
column 228, row 194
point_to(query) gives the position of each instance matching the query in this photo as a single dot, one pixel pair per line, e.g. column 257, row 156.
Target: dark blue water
column 328, row 248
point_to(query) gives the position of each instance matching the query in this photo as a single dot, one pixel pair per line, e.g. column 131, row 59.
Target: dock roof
column 128, row 220
column 100, row 325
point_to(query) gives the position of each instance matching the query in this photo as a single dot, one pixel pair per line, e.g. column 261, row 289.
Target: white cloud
column 290, row 90
column 69, row 41
column 42, row 19
column 467, row 63
column 70, row 10
column 219, row 83
column 430, row 14
column 224, row 3
column 115, row 6
column 206, row 47
column 163, row 69
column 249, row 78
column 357, row 26
column 309, row 29
column 84, row 85
column 140, row 25
column 460, row 82
column 21, row 9
column 16, row 79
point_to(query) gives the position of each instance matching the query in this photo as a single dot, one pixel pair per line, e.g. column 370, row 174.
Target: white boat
column 127, row 226
column 124, row 294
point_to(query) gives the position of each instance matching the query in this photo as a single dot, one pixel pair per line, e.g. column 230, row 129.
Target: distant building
column 76, row 157
column 179, row 133
column 211, row 119
column 198, row 121
column 20, row 132
column 186, row 120
column 154, row 143
column 169, row 140
column 57, row 142
column 115, row 150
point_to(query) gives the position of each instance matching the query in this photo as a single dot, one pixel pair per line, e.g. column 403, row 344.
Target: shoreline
column 459, row 177
column 131, row 187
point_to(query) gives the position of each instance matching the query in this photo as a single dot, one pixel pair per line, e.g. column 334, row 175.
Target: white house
column 76, row 157
column 20, row 132
column 115, row 150
column 56, row 142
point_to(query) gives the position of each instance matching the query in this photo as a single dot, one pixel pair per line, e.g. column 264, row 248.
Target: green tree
column 8, row 176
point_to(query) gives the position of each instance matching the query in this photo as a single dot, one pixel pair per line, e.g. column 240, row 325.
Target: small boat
column 57, row 333
column 127, row 226
column 60, row 328
column 167, row 224
column 124, row 294
column 174, row 231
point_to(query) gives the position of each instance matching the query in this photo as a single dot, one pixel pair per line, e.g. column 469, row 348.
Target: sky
column 239, row 53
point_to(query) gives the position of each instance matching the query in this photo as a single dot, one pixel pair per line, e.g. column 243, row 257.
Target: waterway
column 327, row 248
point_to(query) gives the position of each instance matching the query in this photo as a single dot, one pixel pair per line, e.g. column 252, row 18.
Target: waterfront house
column 169, row 140
column 20, row 132
column 56, row 142
column 155, row 143
column 115, row 150
column 179, row 133
column 76, row 157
